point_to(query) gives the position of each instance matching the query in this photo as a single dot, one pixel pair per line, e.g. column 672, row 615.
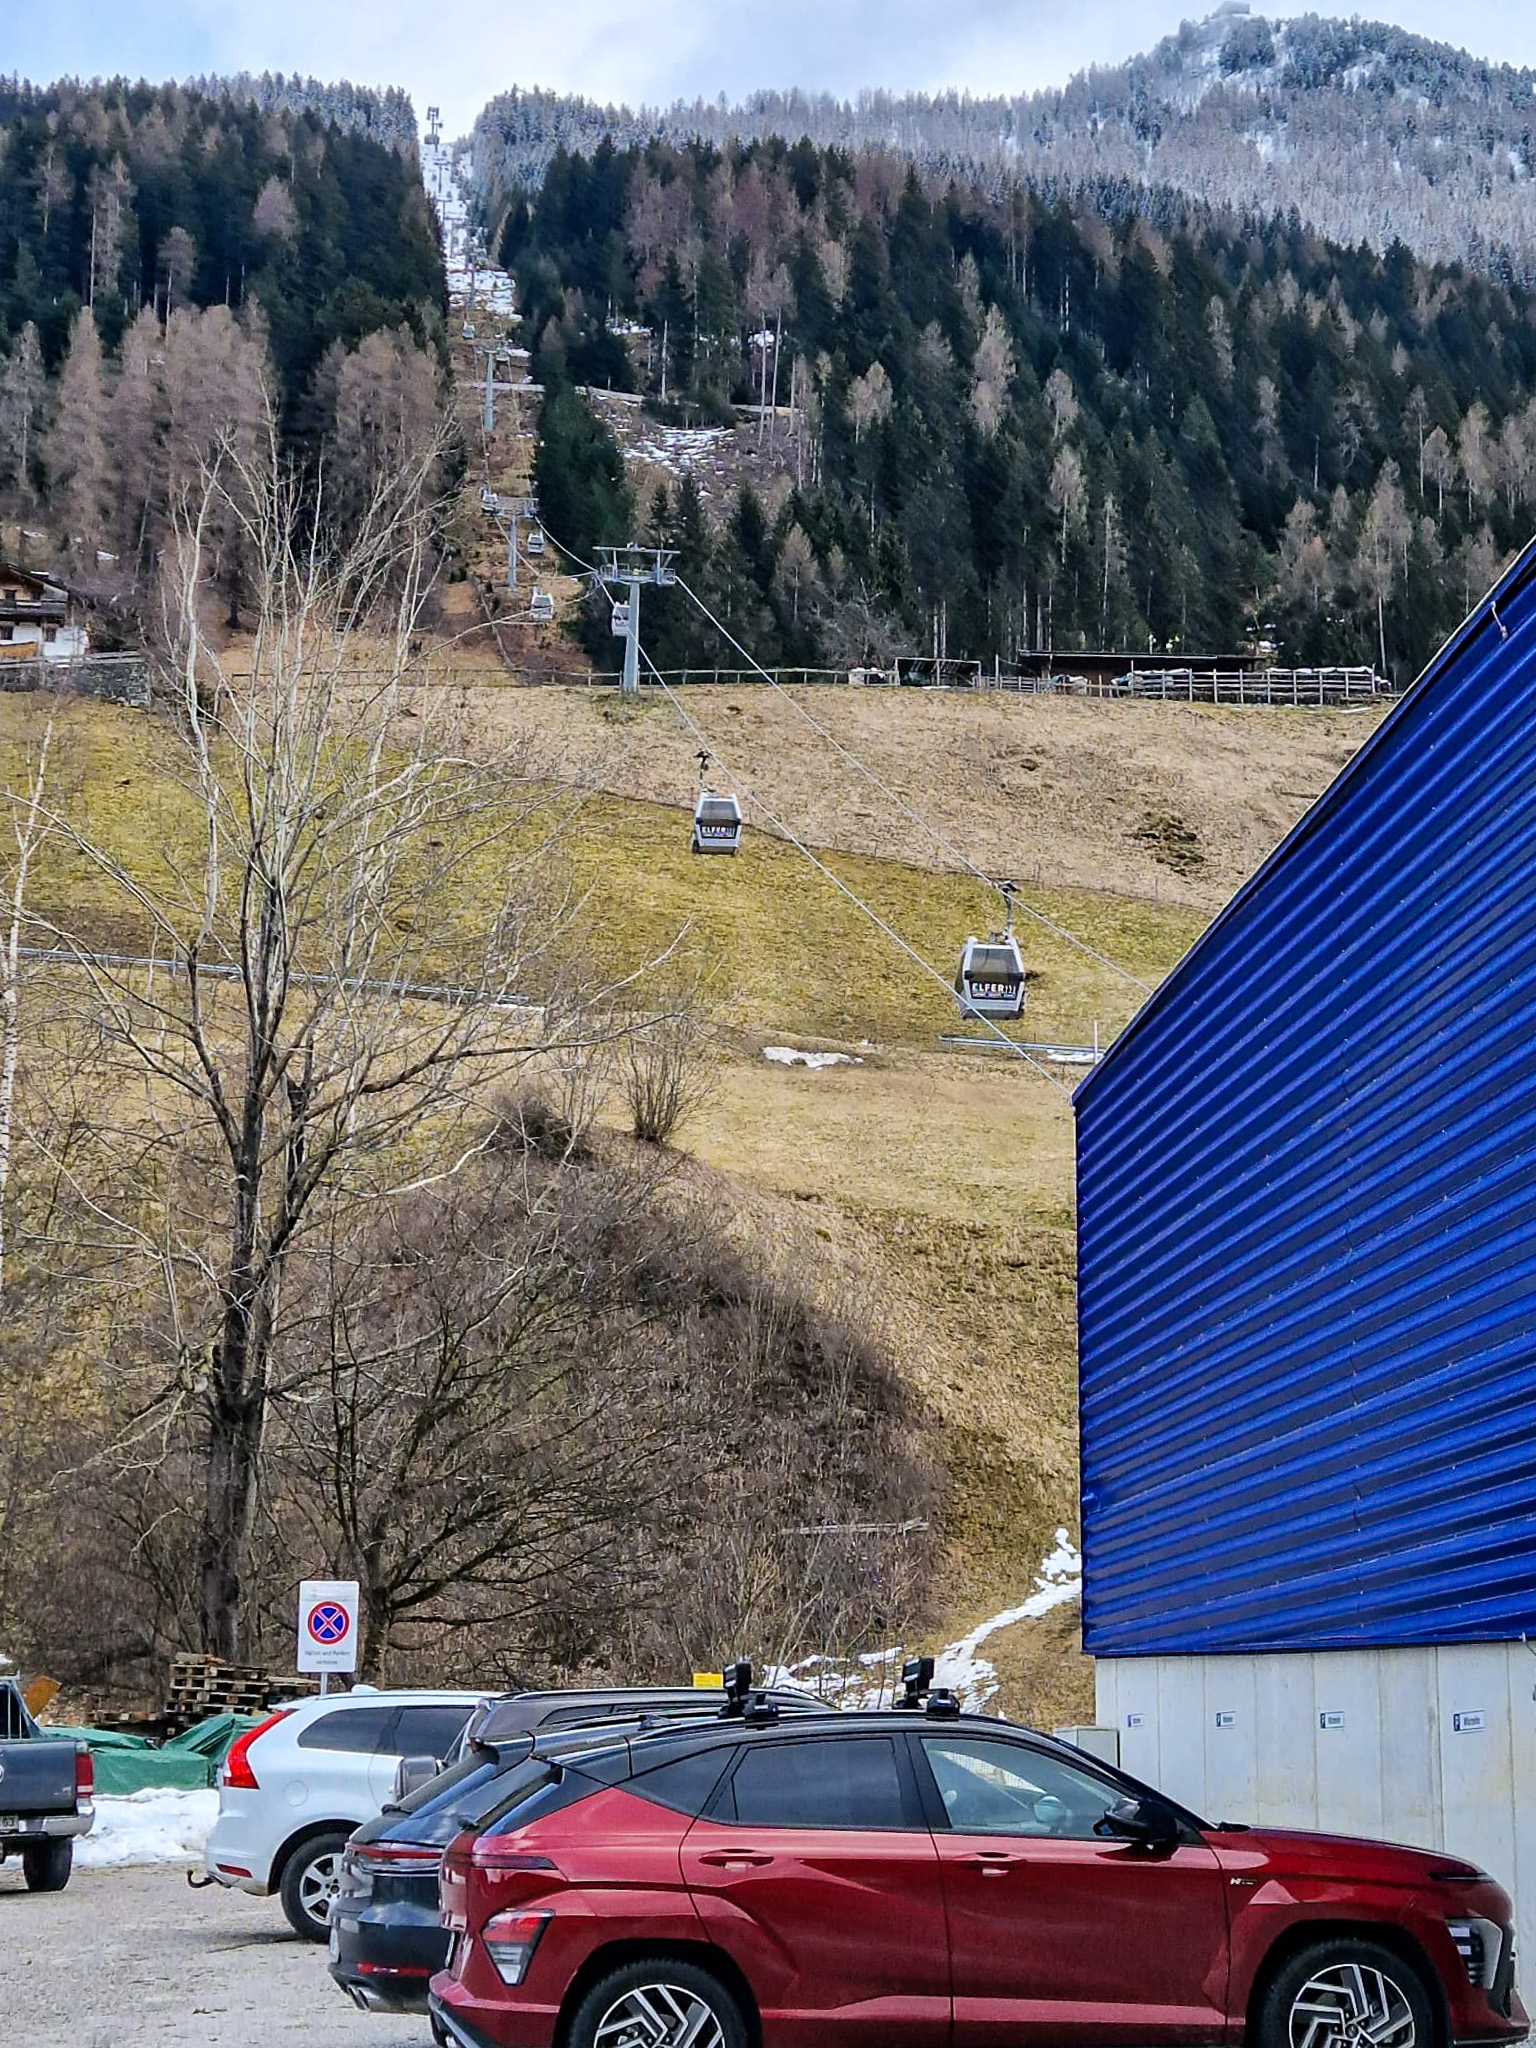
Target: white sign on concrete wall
column 328, row 1625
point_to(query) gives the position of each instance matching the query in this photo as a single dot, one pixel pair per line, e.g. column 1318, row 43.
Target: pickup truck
column 47, row 1795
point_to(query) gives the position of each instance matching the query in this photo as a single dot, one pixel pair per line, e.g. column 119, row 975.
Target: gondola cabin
column 541, row 606
column 716, row 824
column 620, row 620
column 535, row 541
column 990, row 982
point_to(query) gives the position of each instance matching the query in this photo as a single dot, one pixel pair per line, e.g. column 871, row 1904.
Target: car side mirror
column 411, row 1773
column 1139, row 1820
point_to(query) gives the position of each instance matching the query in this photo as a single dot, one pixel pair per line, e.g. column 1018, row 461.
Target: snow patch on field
column 874, row 1679
column 148, row 1827
column 791, row 1056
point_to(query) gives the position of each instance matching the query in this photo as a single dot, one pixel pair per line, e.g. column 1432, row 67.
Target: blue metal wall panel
column 1307, row 1216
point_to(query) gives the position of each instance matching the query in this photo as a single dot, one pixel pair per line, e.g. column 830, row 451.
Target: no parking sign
column 328, row 1625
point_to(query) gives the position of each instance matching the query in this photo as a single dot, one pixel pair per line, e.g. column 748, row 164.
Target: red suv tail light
column 85, row 1775
column 237, row 1770
column 488, row 1854
column 510, row 1940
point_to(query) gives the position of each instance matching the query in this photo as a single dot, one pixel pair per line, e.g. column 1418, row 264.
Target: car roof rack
column 916, row 1678
column 741, row 1702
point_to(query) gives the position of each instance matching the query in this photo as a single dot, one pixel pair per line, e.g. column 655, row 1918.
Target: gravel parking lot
column 135, row 1959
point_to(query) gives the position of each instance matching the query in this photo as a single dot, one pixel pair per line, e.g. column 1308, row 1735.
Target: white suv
column 294, row 1788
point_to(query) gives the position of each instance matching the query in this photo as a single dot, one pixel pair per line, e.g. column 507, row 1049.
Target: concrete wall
column 1433, row 1746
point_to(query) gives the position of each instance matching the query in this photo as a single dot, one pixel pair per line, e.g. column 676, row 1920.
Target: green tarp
column 134, row 1763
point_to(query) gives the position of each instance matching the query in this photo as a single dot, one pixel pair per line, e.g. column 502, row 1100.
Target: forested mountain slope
column 175, row 270
column 1008, row 422
column 119, row 196
column 383, row 116
column 1371, row 134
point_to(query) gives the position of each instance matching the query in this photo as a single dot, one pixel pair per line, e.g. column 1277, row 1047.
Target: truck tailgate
column 37, row 1776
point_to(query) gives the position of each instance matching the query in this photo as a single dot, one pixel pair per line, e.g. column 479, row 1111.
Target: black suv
column 385, row 1938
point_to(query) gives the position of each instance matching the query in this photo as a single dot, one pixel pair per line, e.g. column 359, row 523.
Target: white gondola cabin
column 990, row 982
column 620, row 621
column 716, row 824
column 534, row 544
column 541, row 606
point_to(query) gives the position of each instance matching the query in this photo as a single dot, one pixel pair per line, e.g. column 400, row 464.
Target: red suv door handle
column 990, row 1862
column 734, row 1859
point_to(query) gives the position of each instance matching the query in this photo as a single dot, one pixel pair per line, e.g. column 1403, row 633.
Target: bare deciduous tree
column 288, row 1047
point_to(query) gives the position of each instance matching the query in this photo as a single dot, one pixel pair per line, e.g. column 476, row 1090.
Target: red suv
column 929, row 1879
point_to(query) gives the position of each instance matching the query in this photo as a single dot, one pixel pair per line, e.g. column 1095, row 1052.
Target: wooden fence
column 1274, row 686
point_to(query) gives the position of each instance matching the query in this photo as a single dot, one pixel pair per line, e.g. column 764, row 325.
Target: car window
column 428, row 1730
column 468, row 1772
column 358, row 1730
column 555, row 1788
column 686, row 1783
column 1006, row 1788
column 476, row 1799
column 839, row 1783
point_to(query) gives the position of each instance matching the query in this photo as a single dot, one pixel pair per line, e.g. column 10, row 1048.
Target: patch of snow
column 147, row 1827
column 789, row 1056
column 1059, row 1579
column 872, row 1679
column 678, row 449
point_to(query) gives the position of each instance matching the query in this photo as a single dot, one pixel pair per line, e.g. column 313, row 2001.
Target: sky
column 456, row 53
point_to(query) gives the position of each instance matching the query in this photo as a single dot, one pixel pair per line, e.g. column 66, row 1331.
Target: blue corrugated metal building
column 1307, row 1241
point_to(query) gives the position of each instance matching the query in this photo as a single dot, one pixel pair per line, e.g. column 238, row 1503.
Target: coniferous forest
column 1019, row 423
column 178, row 269
column 119, row 197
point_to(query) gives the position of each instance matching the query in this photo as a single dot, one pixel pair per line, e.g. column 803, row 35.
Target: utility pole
column 630, row 568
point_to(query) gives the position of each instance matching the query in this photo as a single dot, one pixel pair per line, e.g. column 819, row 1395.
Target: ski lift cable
column 838, row 883
column 901, row 804
column 918, row 960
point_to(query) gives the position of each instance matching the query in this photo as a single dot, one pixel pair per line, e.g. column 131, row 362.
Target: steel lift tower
column 629, row 568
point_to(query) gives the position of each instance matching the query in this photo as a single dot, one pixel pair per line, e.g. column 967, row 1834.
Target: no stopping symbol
column 328, row 1623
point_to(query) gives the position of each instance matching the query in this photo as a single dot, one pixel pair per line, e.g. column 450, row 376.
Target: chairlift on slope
column 716, row 817
column 990, row 979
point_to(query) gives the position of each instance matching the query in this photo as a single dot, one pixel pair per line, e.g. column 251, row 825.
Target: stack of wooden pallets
column 201, row 1686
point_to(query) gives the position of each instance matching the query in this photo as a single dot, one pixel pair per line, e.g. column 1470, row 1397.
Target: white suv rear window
column 359, row 1730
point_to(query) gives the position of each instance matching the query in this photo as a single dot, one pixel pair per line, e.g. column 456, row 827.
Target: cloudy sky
column 458, row 52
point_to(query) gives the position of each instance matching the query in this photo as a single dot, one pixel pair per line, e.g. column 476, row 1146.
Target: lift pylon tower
column 434, row 126
column 630, row 567
column 496, row 352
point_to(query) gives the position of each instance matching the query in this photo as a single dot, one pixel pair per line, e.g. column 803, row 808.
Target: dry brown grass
column 947, row 1183
column 1070, row 794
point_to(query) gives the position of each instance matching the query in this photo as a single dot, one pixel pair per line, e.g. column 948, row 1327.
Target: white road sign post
column 327, row 1627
